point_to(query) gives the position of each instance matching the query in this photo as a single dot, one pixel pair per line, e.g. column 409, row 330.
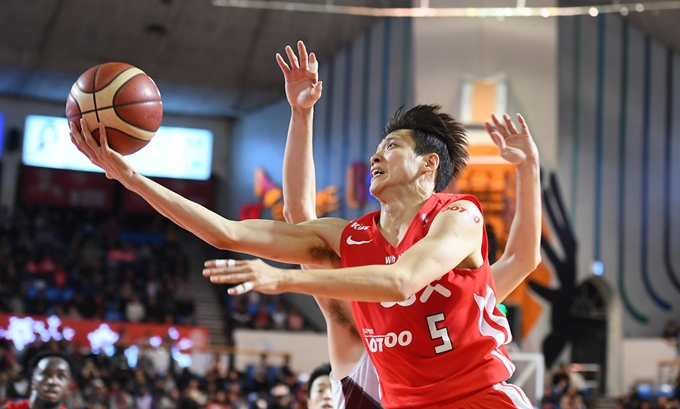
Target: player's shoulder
column 448, row 198
column 461, row 212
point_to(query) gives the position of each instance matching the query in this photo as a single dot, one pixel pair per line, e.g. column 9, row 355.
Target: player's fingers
column 282, row 64
column 318, row 88
column 499, row 126
column 231, row 278
column 223, row 271
column 241, row 288
column 313, row 63
column 292, row 58
column 499, row 141
column 523, row 124
column 89, row 140
column 76, row 138
column 510, row 124
column 78, row 145
column 223, row 263
column 103, row 140
column 302, row 50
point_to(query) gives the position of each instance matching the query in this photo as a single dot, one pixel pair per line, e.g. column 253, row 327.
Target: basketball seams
column 112, row 106
column 94, row 91
column 115, row 122
column 126, row 134
column 130, row 123
column 75, row 100
column 115, row 94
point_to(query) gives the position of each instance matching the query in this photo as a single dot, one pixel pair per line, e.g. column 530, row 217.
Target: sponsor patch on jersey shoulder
column 359, row 226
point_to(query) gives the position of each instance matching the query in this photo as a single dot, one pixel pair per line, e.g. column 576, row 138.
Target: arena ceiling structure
column 209, row 57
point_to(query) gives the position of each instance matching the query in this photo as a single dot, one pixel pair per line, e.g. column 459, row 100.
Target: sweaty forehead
column 54, row 364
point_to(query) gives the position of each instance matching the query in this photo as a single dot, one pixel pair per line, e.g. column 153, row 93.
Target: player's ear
column 431, row 161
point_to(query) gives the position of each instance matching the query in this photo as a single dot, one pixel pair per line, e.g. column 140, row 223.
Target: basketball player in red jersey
column 424, row 297
column 50, row 378
column 354, row 380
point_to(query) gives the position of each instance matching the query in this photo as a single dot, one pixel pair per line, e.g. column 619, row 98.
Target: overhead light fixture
column 425, row 11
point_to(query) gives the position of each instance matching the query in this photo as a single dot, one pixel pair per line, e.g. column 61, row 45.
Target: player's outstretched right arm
column 315, row 242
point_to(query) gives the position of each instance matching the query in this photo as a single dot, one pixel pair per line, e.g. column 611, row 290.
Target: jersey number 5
column 439, row 333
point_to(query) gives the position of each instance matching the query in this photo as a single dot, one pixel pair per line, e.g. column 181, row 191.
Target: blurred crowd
column 101, row 381
column 567, row 390
column 258, row 311
column 78, row 264
column 644, row 396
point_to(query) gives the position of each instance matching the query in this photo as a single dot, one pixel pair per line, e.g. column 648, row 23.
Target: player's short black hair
column 321, row 370
column 434, row 132
column 49, row 354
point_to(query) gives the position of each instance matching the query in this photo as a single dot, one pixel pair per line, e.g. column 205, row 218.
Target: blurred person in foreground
column 51, row 375
column 319, row 390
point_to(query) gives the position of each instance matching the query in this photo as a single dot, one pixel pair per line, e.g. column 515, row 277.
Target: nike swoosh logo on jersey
column 356, row 243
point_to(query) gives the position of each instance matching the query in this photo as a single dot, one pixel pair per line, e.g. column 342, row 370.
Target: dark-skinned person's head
column 51, row 373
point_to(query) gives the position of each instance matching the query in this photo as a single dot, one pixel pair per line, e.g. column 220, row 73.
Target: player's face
column 395, row 162
column 320, row 394
column 50, row 380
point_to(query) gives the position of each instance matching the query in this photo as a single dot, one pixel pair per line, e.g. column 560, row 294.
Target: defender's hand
column 517, row 147
column 303, row 87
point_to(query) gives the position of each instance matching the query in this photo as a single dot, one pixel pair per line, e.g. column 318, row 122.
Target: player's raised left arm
column 454, row 237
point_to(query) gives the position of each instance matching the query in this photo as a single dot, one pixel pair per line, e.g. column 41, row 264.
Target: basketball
column 123, row 98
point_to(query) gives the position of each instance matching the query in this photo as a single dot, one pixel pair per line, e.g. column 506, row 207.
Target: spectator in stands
column 548, row 401
column 295, row 320
column 50, row 373
column 240, row 315
column 319, row 388
column 281, row 397
column 261, row 320
column 671, row 333
column 279, row 317
column 119, row 398
column 634, row 399
column 4, row 387
column 18, row 388
column 135, row 310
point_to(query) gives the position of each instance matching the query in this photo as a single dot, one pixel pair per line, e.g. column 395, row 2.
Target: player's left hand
column 253, row 275
column 517, row 147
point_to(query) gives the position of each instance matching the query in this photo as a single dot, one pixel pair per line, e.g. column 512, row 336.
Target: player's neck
column 396, row 216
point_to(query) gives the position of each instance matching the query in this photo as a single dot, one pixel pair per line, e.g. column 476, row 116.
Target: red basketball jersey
column 446, row 341
column 23, row 404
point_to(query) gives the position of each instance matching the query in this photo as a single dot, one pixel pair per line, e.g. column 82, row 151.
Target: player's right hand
column 303, row 87
column 112, row 162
